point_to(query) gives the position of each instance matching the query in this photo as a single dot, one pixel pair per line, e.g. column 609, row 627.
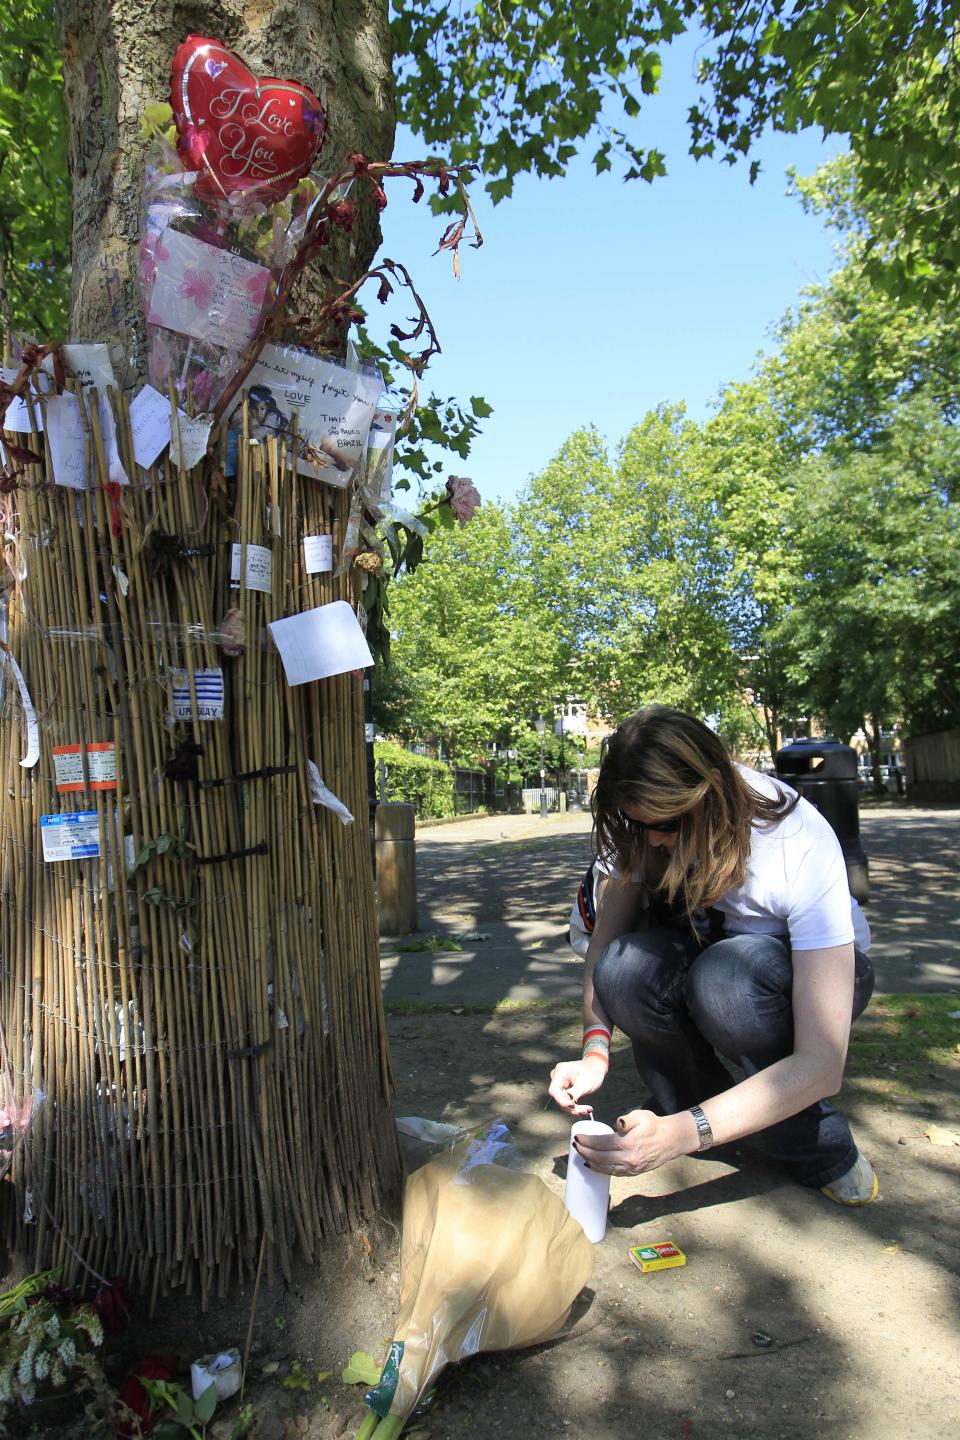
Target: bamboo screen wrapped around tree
column 193, row 1035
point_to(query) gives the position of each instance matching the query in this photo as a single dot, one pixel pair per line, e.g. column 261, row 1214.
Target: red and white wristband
column 596, row 1043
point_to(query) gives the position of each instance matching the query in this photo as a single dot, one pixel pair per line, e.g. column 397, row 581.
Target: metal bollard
column 396, row 869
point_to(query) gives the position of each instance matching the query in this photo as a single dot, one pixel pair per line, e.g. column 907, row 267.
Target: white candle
column 587, row 1193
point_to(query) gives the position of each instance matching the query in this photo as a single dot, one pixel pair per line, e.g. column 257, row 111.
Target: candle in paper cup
column 587, row 1193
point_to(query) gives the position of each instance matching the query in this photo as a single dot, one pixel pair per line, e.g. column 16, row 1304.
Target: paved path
column 514, row 878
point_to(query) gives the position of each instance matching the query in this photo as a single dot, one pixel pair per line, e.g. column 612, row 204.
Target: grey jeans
column 684, row 1004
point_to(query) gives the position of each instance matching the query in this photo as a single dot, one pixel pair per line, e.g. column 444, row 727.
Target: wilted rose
column 369, row 560
column 463, row 496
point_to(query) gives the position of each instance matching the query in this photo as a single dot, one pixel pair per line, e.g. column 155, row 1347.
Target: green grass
column 906, row 1046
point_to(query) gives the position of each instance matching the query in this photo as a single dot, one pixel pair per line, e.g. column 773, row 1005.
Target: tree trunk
column 116, row 61
column 254, row 1108
column 874, row 741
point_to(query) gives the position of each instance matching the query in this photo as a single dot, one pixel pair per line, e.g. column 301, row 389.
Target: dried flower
column 463, row 496
column 370, row 560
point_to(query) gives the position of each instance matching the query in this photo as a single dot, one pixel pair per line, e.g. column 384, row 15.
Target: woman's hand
column 572, row 1079
column 642, row 1141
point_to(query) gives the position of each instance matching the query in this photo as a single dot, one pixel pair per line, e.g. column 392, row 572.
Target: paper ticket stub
column 101, row 766
column 73, row 836
column 657, row 1257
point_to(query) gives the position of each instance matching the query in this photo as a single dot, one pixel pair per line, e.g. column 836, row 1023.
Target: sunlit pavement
column 514, row 878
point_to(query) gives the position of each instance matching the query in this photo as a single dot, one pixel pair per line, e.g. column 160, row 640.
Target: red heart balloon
column 237, row 130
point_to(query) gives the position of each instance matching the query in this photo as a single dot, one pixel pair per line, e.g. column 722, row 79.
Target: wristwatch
column 704, row 1132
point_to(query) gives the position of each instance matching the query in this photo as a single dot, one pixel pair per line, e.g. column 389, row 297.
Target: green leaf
column 361, row 1369
column 480, row 407
column 205, row 1406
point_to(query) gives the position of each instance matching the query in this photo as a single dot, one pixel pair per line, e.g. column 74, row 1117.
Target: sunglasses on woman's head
column 662, row 827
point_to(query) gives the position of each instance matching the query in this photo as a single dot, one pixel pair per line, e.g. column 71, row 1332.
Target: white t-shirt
column 796, row 881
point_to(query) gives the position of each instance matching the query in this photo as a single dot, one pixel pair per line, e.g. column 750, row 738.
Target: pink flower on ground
column 198, row 286
column 463, row 497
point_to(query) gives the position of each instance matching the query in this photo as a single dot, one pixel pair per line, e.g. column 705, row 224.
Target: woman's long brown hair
column 671, row 766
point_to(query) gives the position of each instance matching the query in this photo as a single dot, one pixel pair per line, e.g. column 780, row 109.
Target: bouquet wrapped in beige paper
column 490, row 1260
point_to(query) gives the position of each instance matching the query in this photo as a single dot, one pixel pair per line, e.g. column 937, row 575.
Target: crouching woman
column 728, row 930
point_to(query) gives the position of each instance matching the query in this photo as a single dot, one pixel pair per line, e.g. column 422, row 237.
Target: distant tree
column 625, row 556
column 871, row 628
column 472, row 657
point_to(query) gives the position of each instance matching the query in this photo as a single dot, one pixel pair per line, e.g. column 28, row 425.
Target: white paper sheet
column 65, row 435
column 205, row 292
column 318, row 553
column 90, row 364
column 334, row 408
column 188, row 443
column 259, row 567
column 319, row 643
column 108, row 430
column 323, row 796
column 150, row 423
column 30, row 715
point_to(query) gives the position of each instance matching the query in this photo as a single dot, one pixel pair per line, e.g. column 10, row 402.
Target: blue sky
column 592, row 300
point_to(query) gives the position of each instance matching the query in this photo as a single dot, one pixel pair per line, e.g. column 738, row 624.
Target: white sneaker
column 859, row 1186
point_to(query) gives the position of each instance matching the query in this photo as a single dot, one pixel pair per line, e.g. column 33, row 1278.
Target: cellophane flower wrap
column 210, row 270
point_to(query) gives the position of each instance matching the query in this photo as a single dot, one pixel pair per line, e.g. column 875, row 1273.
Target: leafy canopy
column 34, row 186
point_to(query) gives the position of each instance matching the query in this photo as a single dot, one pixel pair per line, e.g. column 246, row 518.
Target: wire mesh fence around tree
column 194, row 1039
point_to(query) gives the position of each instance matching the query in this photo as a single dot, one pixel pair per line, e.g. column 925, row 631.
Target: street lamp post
column 541, row 725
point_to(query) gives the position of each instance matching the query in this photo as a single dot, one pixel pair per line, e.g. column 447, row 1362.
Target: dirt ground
column 860, row 1307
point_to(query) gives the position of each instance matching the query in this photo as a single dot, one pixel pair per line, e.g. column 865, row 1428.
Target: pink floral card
column 206, row 293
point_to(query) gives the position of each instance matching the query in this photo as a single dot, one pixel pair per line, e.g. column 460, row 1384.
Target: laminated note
column 259, row 568
column 205, row 292
column 73, row 836
column 321, row 642
column 333, row 407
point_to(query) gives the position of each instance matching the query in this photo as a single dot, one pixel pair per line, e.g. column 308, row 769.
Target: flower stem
column 369, row 1423
column 390, row 1427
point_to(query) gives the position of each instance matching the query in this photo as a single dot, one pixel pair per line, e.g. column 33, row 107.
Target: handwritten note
column 67, row 440
column 150, row 423
column 259, row 568
column 205, row 292
column 88, row 363
column 188, row 443
column 318, row 553
column 319, row 643
column 334, row 407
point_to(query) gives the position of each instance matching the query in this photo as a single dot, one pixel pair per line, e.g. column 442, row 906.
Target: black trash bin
column 825, row 773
